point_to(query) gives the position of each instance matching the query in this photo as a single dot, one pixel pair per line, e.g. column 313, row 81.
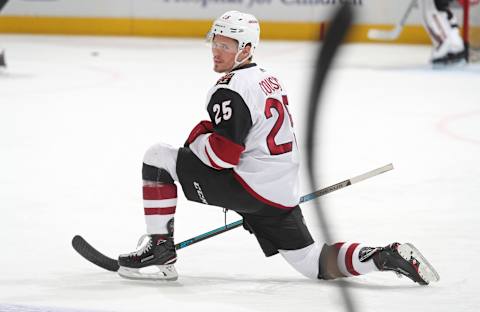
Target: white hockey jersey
column 253, row 134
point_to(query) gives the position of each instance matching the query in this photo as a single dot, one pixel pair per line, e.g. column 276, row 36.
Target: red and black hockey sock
column 160, row 201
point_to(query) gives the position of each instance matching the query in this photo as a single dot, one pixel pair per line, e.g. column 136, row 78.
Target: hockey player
column 3, row 64
column 2, row 59
column 442, row 27
column 245, row 158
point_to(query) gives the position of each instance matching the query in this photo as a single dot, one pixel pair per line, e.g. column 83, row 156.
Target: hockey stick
column 2, row 4
column 91, row 254
column 336, row 34
column 378, row 34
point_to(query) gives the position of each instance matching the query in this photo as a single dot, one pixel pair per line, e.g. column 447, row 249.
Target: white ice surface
column 77, row 114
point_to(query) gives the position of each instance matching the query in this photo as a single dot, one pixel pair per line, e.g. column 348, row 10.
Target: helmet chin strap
column 237, row 63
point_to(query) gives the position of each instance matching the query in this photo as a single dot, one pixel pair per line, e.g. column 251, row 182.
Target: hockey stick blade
column 379, row 34
column 94, row 256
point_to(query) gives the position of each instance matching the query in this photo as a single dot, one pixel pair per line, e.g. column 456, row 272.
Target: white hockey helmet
column 242, row 27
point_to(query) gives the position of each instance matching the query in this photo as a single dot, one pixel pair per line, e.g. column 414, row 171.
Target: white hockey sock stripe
column 161, row 203
column 344, row 259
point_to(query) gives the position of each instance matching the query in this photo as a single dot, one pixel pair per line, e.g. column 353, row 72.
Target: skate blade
column 425, row 269
column 153, row 273
column 450, row 65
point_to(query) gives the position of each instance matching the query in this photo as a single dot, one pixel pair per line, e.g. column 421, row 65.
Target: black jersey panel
column 230, row 115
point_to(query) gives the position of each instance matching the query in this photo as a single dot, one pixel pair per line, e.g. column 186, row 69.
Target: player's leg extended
column 353, row 259
column 285, row 231
column 441, row 25
column 156, row 258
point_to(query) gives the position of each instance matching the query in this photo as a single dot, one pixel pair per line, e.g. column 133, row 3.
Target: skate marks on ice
column 25, row 308
column 248, row 291
column 243, row 283
column 214, row 284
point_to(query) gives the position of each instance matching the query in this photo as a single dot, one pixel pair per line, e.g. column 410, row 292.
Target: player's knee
column 159, row 163
column 154, row 174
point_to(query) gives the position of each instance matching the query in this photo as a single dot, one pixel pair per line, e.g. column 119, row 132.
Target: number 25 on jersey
column 222, row 112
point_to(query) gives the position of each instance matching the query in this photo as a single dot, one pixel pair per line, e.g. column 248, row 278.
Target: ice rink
column 78, row 113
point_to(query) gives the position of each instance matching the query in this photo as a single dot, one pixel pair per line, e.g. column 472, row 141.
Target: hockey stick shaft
column 303, row 199
column 379, row 34
column 336, row 34
column 2, row 4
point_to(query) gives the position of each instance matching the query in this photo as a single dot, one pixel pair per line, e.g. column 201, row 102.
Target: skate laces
column 145, row 248
column 366, row 253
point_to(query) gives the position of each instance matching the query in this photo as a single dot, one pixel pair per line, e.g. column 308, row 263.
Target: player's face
column 224, row 50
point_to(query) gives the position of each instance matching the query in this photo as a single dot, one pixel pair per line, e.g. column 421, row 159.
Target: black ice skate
column 450, row 59
column 154, row 261
column 405, row 259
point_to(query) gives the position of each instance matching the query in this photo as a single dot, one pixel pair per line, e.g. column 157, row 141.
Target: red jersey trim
column 228, row 151
column 214, row 165
column 257, row 196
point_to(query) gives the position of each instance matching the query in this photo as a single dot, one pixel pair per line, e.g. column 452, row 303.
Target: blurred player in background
column 2, row 52
column 245, row 158
column 442, row 27
column 2, row 59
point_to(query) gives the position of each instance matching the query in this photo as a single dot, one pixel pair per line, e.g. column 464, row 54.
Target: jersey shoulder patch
column 225, row 80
